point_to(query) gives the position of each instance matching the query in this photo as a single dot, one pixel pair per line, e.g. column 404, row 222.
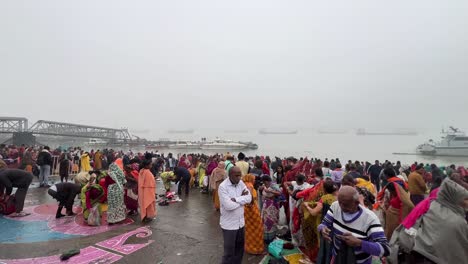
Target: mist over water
column 309, row 143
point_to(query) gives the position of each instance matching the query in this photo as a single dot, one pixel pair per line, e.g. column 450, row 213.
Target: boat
column 363, row 132
column 184, row 144
column 222, row 144
column 277, row 132
column 175, row 131
column 217, row 144
column 236, row 131
column 96, row 142
column 454, row 143
column 332, row 131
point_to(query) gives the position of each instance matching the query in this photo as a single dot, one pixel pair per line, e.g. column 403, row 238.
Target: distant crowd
column 336, row 212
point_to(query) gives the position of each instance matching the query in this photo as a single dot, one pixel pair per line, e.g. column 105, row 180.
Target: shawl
column 402, row 193
column 419, row 210
column 442, row 236
column 217, row 176
column 211, row 166
column 312, row 194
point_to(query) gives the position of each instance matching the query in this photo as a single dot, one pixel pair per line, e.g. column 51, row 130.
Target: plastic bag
column 94, row 218
column 276, row 248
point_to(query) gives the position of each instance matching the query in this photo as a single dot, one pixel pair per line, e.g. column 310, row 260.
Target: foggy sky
column 231, row 64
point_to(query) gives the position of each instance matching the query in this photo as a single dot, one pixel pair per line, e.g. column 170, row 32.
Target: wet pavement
column 183, row 232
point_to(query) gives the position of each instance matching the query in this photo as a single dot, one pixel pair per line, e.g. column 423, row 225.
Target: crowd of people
column 335, row 212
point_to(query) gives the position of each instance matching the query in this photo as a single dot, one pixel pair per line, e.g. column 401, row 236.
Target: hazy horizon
column 162, row 65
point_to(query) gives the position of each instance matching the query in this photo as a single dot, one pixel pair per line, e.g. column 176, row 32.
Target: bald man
column 356, row 229
column 233, row 195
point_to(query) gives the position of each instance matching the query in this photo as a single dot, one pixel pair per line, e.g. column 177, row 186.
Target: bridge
column 18, row 126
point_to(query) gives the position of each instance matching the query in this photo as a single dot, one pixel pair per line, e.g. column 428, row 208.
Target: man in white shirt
column 233, row 195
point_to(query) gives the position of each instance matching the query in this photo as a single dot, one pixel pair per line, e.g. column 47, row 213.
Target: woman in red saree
column 147, row 192
column 395, row 201
column 307, row 222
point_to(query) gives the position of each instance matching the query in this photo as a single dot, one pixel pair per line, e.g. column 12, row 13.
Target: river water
column 309, row 143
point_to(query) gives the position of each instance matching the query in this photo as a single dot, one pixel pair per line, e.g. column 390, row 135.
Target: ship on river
column 454, row 143
column 277, row 132
column 363, row 132
column 216, row 144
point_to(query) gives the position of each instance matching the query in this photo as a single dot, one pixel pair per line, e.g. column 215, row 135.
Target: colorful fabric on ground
column 147, row 194
column 116, row 211
column 253, row 221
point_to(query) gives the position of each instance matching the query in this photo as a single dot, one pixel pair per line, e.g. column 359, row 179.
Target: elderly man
column 233, row 195
column 357, row 233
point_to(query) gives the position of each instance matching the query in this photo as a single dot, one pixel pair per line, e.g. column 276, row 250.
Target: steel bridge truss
column 13, row 124
column 51, row 128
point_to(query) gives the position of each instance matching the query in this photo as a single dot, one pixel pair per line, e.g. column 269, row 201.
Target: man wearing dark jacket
column 44, row 160
column 374, row 172
column 183, row 178
column 10, row 178
column 65, row 194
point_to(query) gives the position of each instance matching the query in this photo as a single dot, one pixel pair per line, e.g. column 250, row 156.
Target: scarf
column 217, row 175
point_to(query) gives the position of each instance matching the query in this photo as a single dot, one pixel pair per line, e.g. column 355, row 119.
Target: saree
column 166, row 178
column 98, row 161
column 216, row 178
column 147, row 194
column 253, row 221
column 131, row 192
column 116, row 211
column 90, row 196
column 296, row 234
column 325, row 247
column 201, row 171
column 309, row 223
column 270, row 215
column 85, row 163
column 393, row 215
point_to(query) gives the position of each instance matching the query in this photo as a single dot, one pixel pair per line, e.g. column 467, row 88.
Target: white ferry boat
column 453, row 143
column 221, row 144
